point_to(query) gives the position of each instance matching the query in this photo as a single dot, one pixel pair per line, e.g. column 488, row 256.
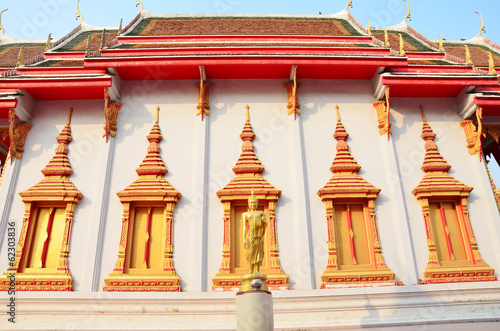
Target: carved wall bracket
column 293, row 105
column 383, row 109
column 41, row 261
column 146, row 248
column 234, row 198
column 472, row 135
column 354, row 249
column 203, row 106
column 111, row 109
column 453, row 250
column 17, row 136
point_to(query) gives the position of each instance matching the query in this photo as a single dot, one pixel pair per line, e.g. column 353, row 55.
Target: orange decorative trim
column 17, row 136
column 383, row 109
column 248, row 170
column 438, row 187
column 151, row 189
column 293, row 105
column 54, row 191
column 111, row 110
column 472, row 135
column 346, row 186
column 203, row 106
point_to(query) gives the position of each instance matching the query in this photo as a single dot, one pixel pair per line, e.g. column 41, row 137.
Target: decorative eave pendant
column 354, row 250
column 145, row 252
column 453, row 250
column 41, row 262
column 234, row 197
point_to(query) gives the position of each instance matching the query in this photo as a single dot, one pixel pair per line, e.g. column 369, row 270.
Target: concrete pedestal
column 254, row 311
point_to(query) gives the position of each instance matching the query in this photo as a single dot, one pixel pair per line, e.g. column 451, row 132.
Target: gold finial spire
column 422, row 113
column 69, row 116
column 1, row 27
column 491, row 64
column 407, row 14
column 47, row 44
column 369, row 29
column 482, row 29
column 248, row 116
column 401, row 45
column 338, row 113
column 20, row 57
column 103, row 39
column 467, row 55
column 441, row 47
column 157, row 114
column 78, row 14
column 386, row 38
column 88, row 48
column 120, row 27
column 349, row 4
column 139, row 3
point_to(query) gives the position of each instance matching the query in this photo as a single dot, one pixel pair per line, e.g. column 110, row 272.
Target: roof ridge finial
column 349, row 4
column 139, row 3
column 248, row 115
column 120, row 27
column 69, row 116
column 78, row 14
column 338, row 113
column 48, row 43
column 157, row 114
column 482, row 29
column 407, row 17
column 422, row 113
column 441, row 47
column 1, row 27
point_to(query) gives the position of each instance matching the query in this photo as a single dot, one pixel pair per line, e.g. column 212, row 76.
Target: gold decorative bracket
column 482, row 28
column 369, row 29
column 293, row 98
column 472, row 135
column 491, row 64
column 20, row 56
column 441, row 47
column 468, row 58
column 203, row 106
column 1, row 27
column 401, row 45
column 111, row 109
column 386, row 38
column 17, row 136
column 383, row 109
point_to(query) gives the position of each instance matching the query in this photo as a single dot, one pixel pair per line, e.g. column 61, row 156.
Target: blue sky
column 453, row 19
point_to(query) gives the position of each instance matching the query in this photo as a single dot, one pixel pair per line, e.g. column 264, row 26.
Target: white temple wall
column 280, row 140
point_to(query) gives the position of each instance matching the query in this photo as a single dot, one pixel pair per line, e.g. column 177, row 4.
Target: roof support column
column 304, row 274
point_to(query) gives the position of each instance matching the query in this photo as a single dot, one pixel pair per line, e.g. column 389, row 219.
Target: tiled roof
column 410, row 42
column 237, row 44
column 10, row 52
column 479, row 53
column 59, row 63
column 164, row 26
column 79, row 42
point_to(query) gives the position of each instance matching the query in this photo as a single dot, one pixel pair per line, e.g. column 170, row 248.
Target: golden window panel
column 453, row 250
column 234, row 198
column 41, row 261
column 145, row 251
column 354, row 250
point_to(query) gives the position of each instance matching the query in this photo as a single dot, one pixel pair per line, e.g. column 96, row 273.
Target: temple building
column 129, row 154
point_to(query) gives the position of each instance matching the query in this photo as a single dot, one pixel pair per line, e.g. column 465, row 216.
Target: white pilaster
column 408, row 273
column 199, row 218
column 7, row 190
column 304, row 274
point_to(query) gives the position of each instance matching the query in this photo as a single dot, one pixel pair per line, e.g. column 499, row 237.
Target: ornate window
column 234, row 198
column 354, row 250
column 41, row 261
column 145, row 252
column 453, row 250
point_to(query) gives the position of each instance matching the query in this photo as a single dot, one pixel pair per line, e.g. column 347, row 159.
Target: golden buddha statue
column 254, row 229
